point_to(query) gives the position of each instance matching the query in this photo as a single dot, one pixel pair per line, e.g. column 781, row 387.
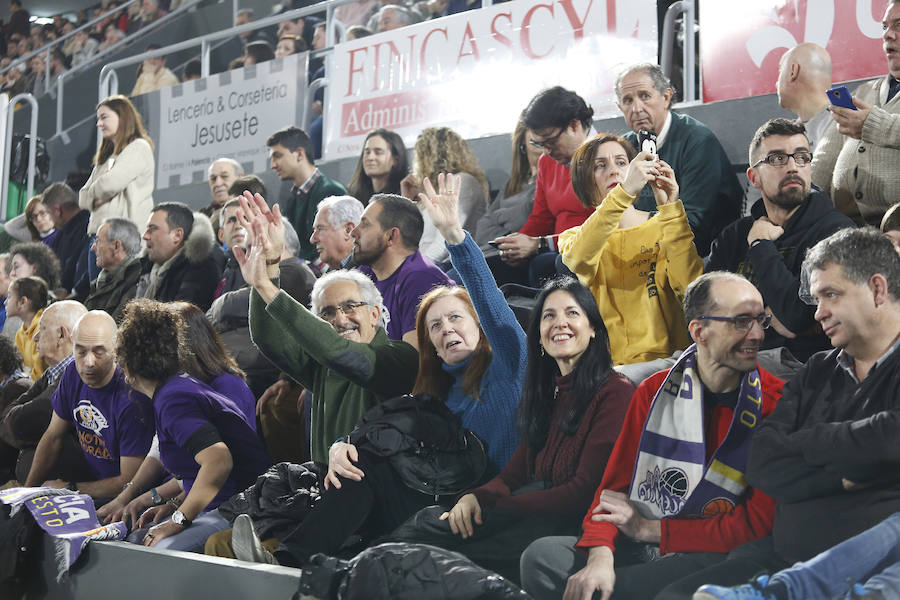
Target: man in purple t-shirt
column 114, row 423
column 386, row 247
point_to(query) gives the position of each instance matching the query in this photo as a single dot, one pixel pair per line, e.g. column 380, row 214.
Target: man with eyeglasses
column 767, row 247
column 337, row 349
column 674, row 499
column 709, row 189
column 828, row 454
column 559, row 121
column 857, row 161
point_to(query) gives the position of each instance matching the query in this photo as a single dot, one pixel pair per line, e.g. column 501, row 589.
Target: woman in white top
column 121, row 184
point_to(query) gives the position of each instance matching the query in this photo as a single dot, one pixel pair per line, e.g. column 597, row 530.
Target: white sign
column 475, row 71
column 230, row 114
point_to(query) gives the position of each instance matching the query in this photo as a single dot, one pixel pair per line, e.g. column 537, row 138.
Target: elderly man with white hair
column 336, row 217
column 221, row 174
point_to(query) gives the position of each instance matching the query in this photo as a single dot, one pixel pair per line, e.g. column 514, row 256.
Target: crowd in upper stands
column 667, row 391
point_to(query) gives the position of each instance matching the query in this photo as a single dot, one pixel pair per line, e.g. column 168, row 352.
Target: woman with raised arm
column 636, row 264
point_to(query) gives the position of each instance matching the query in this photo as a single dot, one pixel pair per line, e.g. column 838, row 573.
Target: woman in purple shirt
column 204, row 438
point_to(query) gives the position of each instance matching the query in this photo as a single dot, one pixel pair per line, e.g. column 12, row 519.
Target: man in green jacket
column 338, row 350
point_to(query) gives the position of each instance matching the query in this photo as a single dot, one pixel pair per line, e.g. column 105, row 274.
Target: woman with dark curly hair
column 209, row 362
column 34, row 259
column 203, row 435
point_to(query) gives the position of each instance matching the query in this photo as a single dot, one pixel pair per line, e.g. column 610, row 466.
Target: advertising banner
column 741, row 43
column 475, row 71
column 228, row 114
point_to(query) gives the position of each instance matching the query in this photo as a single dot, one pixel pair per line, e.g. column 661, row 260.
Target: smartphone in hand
column 839, row 95
column 647, row 142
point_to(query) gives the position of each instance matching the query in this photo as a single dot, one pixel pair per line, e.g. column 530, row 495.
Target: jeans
column 871, row 558
column 191, row 539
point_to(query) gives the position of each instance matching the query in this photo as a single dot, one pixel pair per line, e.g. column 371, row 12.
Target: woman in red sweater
column 572, row 409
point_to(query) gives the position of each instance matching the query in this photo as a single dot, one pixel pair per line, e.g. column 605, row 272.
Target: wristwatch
column 156, row 498
column 179, row 519
column 543, row 245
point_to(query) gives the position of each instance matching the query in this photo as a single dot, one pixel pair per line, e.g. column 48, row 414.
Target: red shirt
column 556, row 207
column 748, row 521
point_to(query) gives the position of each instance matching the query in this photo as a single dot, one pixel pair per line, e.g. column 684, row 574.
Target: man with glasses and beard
column 768, row 246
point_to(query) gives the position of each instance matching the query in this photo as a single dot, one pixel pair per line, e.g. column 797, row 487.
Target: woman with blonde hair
column 121, row 184
column 442, row 150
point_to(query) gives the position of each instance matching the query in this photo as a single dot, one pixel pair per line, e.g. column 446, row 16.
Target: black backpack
column 18, row 167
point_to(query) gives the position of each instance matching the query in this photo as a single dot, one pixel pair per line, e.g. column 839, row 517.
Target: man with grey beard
column 768, row 246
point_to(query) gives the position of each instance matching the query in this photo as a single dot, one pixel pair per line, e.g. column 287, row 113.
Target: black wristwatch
column 179, row 519
column 543, row 245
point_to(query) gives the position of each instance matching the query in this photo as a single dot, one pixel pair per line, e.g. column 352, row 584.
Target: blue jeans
column 871, row 558
column 191, row 539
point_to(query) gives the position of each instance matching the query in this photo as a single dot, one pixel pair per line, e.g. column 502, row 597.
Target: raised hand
column 263, row 223
column 442, row 206
column 665, row 186
column 641, row 170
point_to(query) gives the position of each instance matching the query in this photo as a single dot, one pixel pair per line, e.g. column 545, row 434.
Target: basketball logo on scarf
column 87, row 415
column 666, row 489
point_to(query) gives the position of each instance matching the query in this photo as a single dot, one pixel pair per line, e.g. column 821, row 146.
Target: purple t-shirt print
column 403, row 289
column 111, row 422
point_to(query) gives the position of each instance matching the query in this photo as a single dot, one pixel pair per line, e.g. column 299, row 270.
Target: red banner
column 742, row 42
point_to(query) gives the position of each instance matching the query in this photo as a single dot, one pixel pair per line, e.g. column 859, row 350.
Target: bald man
column 804, row 75
column 25, row 420
column 108, row 416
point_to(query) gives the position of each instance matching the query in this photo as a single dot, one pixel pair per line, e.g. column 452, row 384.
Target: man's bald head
column 94, row 342
column 54, row 336
column 803, row 76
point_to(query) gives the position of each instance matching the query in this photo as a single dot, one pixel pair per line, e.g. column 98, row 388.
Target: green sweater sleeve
column 300, row 343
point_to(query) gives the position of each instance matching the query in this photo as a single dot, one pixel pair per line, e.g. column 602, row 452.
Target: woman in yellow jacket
column 636, row 263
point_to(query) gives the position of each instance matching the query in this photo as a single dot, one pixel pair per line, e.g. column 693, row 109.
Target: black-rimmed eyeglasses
column 742, row 322
column 779, row 159
column 548, row 142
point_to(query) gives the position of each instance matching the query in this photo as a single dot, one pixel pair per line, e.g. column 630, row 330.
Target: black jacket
column 115, row 291
column 71, row 246
column 774, row 267
column 826, row 428
column 425, row 443
column 196, row 272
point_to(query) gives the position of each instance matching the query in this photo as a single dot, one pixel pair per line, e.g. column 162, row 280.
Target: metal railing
column 61, row 79
column 7, row 146
column 687, row 8
column 50, row 45
column 205, row 41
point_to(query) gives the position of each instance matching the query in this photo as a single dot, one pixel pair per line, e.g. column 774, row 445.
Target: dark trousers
column 372, row 507
column 742, row 564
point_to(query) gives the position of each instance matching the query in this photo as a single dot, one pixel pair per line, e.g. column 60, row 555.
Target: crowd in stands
column 656, row 392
